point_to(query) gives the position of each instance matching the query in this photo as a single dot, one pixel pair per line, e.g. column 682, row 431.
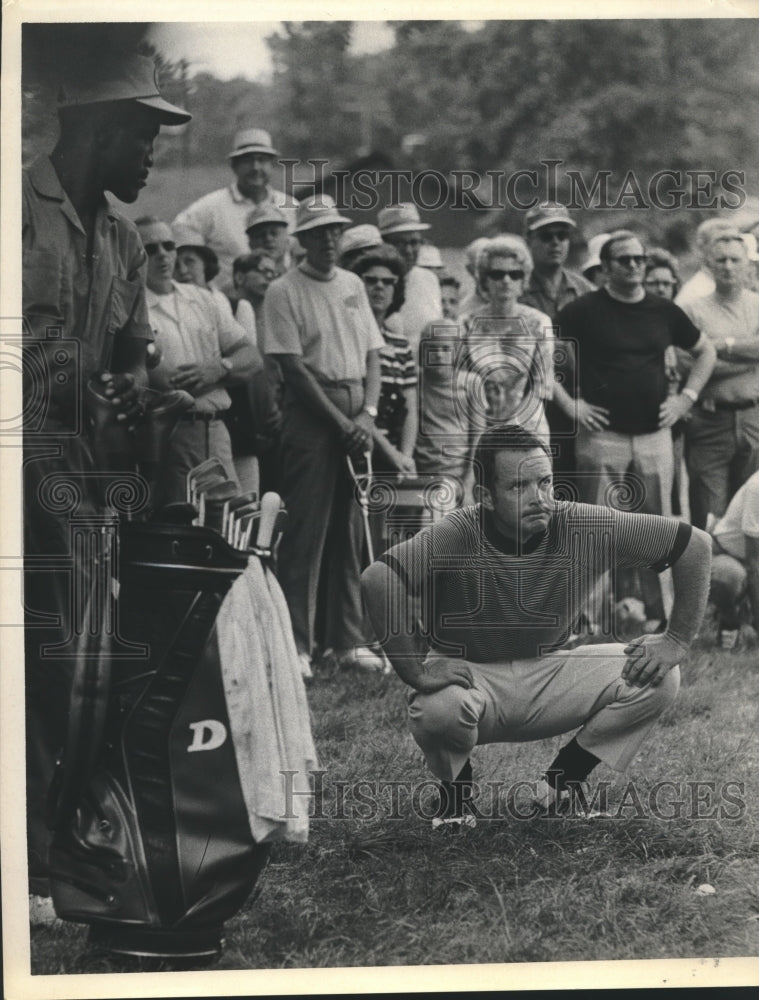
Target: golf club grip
column 269, row 510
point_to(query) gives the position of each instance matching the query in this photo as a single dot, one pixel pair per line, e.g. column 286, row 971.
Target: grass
column 378, row 890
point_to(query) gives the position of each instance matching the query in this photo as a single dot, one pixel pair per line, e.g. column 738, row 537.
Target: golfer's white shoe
column 304, row 661
column 360, row 658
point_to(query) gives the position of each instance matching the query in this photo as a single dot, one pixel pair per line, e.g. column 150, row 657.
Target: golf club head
column 203, row 483
column 234, row 504
column 208, row 466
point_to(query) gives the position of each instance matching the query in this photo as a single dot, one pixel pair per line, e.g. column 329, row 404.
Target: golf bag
column 152, row 845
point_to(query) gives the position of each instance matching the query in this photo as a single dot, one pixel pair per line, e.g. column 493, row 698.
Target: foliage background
column 614, row 95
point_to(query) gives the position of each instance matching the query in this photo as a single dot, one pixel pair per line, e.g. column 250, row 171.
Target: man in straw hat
column 402, row 228
column 221, row 216
column 319, row 327
column 84, row 311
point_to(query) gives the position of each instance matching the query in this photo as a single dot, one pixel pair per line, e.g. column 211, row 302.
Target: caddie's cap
column 252, row 140
column 362, row 237
column 547, row 214
column 402, row 218
column 320, row 210
column 265, row 214
column 132, row 77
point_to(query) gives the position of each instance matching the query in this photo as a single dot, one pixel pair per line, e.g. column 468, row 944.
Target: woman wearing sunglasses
column 510, row 342
column 382, row 272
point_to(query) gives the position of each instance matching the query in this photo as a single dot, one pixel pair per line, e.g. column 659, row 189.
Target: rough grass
column 378, row 887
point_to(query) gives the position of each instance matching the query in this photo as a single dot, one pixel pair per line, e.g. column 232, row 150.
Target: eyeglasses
column 628, row 259
column 372, row 279
column 270, row 275
column 659, row 282
column 545, row 236
column 151, row 249
column 497, row 275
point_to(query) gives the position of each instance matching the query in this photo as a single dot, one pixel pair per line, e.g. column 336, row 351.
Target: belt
column 198, row 415
column 711, row 405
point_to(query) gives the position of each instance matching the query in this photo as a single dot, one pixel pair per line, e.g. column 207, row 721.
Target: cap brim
column 552, row 222
column 406, row 227
column 169, row 114
column 315, row 223
column 246, row 150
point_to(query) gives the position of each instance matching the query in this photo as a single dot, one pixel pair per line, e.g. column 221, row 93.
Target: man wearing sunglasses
column 624, row 413
column 85, row 319
column 548, row 229
column 202, row 351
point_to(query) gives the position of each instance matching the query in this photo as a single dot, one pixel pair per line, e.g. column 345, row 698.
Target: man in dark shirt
column 475, row 610
column 624, row 413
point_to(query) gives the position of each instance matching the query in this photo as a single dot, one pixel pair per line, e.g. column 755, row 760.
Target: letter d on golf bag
column 152, row 845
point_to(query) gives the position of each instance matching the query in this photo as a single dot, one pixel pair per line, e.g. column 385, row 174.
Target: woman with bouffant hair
column 510, row 345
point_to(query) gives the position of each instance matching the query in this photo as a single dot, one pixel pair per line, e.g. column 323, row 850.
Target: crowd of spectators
column 309, row 348
column 646, row 389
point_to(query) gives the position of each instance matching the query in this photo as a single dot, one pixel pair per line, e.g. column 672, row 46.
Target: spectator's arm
column 741, row 351
column 246, row 361
column 411, row 423
column 395, row 614
column 373, row 378
column 704, row 356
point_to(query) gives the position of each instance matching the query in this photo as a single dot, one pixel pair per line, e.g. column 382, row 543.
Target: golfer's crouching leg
column 444, row 725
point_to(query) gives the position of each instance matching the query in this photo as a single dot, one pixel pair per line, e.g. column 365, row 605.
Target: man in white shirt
column 402, row 228
column 320, row 329
column 722, row 432
column 198, row 353
column 221, row 216
column 735, row 563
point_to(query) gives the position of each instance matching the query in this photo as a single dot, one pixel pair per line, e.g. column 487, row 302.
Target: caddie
column 84, row 310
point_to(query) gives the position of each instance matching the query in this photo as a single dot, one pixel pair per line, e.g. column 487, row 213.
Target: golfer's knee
column 448, row 718
column 664, row 693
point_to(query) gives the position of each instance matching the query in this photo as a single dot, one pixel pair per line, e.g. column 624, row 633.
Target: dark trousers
column 58, row 496
column 321, row 548
column 721, row 452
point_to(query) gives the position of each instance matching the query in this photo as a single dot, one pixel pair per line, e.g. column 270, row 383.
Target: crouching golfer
column 474, row 611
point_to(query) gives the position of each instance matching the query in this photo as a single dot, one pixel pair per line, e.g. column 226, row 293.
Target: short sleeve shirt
column 738, row 318
column 326, row 322
column 741, row 519
column 485, row 601
column 620, row 354
column 98, row 303
column 188, row 328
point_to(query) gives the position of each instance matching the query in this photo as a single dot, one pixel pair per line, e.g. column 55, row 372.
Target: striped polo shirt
column 483, row 598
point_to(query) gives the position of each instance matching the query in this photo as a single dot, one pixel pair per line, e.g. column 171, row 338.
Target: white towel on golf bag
column 268, row 710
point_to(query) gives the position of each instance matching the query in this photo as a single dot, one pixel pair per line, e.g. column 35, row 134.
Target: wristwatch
column 372, row 411
column 226, row 364
column 692, row 396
